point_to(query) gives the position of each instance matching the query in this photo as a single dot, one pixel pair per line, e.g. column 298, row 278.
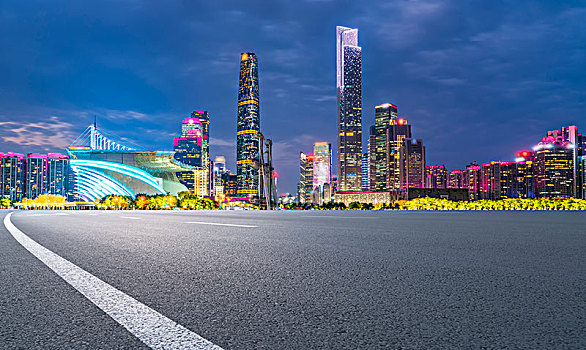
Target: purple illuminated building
column 12, row 175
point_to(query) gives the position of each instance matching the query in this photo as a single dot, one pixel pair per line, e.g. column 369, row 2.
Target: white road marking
column 130, row 217
column 339, row 217
column 149, row 326
column 53, row 214
column 217, row 224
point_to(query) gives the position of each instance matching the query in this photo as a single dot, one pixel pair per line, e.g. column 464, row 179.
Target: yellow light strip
column 248, row 102
column 247, row 132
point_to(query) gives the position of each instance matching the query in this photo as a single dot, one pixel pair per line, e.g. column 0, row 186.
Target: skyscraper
column 412, row 159
column 305, row 187
column 58, row 174
column 248, row 125
column 365, row 171
column 349, row 98
column 398, row 132
column 322, row 172
column 35, row 179
column 204, row 119
column 372, row 158
column 554, row 168
column 12, row 175
column 436, row 176
column 189, row 149
column 384, row 115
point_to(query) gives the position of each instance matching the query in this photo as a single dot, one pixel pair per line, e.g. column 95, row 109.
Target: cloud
column 215, row 141
column 49, row 134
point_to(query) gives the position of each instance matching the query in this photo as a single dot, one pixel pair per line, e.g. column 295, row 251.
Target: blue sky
column 478, row 80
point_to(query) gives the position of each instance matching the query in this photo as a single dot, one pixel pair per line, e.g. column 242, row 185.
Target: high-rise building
column 436, row 176
column 372, row 158
column 35, row 175
column 58, row 174
column 218, row 170
column 322, row 172
column 204, row 119
column 189, row 150
column 12, row 175
column 499, row 180
column 522, row 180
column 554, row 168
column 473, row 180
column 349, row 98
column 365, row 171
column 384, row 115
column 583, row 176
column 412, row 160
column 575, row 141
column 305, row 186
column 230, row 184
column 456, row 179
column 248, row 125
column 398, row 132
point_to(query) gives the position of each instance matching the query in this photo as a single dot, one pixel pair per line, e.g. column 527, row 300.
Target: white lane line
column 338, row 217
column 130, row 217
column 149, row 326
column 217, row 224
column 53, row 214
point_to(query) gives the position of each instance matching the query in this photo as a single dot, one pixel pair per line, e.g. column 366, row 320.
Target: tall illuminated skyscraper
column 349, row 97
column 248, row 125
column 384, row 115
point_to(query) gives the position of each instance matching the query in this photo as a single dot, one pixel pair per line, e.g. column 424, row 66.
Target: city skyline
column 520, row 93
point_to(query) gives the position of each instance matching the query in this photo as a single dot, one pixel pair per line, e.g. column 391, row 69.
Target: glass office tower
column 349, row 98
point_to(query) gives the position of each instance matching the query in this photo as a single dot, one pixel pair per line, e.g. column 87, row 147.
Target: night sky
column 478, row 80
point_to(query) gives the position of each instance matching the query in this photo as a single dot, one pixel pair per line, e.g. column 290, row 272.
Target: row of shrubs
column 444, row 204
column 184, row 200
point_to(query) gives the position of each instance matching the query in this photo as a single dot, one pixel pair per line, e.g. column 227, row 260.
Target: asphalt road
column 305, row 280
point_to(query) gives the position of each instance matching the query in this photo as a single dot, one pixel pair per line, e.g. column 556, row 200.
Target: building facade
column 456, row 179
column 384, row 115
column 436, row 176
column 372, row 158
column 58, row 174
column 305, row 186
column 12, row 175
column 322, row 172
column 230, row 184
column 35, row 175
column 365, row 171
column 349, row 108
column 412, row 164
column 554, row 169
column 190, row 150
column 398, row 132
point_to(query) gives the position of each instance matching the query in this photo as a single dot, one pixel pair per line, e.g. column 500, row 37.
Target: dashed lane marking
column 218, row 224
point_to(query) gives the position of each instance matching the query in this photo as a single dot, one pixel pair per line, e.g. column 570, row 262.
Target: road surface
column 298, row 279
